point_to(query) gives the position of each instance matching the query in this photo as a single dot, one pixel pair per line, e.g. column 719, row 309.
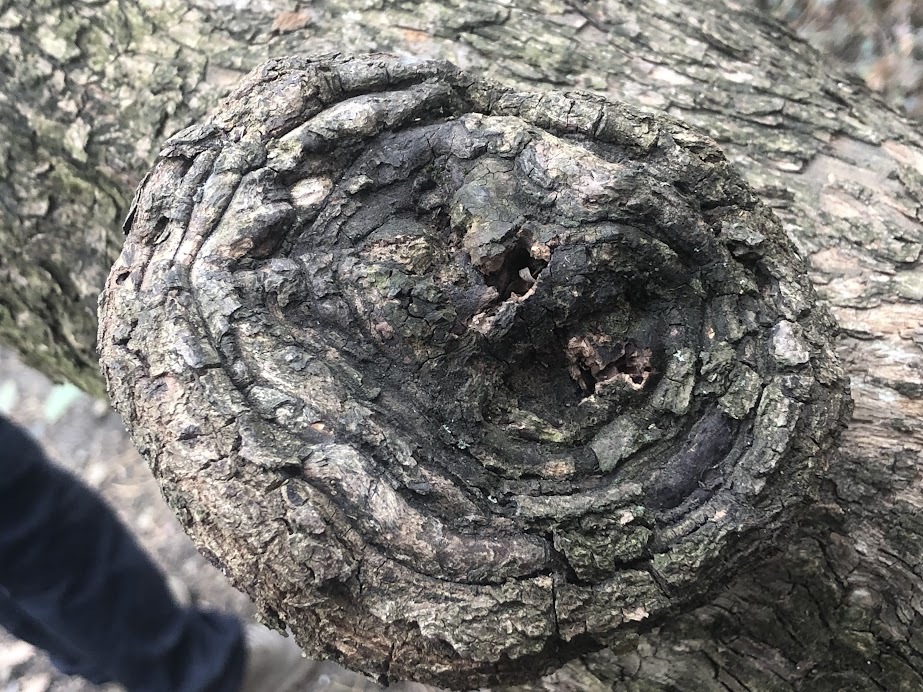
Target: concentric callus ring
column 461, row 381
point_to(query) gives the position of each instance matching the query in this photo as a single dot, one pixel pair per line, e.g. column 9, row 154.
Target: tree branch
column 494, row 378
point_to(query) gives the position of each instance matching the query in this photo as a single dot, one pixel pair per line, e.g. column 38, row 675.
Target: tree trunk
column 839, row 607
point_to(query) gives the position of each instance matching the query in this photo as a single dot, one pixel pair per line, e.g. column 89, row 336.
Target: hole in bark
column 516, row 274
column 594, row 361
column 634, row 362
column 587, row 381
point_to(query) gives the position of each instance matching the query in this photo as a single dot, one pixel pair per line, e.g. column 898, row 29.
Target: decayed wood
column 491, row 377
column 840, row 610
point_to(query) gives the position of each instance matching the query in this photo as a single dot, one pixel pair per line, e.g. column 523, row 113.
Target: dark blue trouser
column 74, row 583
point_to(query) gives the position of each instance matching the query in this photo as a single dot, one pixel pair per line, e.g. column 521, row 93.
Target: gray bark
column 839, row 608
column 499, row 376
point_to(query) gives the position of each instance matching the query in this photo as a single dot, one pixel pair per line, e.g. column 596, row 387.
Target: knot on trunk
column 461, row 382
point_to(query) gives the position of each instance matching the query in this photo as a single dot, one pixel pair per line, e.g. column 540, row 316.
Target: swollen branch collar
column 460, row 382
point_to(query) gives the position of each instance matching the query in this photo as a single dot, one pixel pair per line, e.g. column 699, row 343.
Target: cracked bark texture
column 490, row 377
column 89, row 88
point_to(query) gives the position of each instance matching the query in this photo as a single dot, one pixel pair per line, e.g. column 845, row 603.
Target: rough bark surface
column 841, row 609
column 493, row 376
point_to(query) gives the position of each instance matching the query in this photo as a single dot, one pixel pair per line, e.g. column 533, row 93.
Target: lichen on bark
column 461, row 381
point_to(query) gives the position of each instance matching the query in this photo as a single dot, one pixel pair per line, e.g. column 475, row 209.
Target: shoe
column 275, row 663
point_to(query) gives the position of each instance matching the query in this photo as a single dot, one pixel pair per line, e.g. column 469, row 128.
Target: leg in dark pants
column 74, row 583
